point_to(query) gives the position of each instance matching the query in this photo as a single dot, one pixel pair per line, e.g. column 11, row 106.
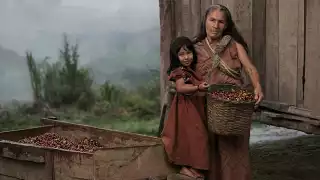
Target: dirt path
column 293, row 159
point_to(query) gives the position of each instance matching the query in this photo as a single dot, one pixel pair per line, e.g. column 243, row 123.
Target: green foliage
column 35, row 77
column 71, row 94
column 63, row 82
column 111, row 93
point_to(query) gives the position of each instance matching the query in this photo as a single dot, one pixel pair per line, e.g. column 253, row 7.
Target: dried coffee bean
column 54, row 140
column 234, row 95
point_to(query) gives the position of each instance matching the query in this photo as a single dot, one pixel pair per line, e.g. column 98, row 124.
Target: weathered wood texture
column 125, row 155
column 288, row 116
column 184, row 17
column 283, row 36
column 312, row 56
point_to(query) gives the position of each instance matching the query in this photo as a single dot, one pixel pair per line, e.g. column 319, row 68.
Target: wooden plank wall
column 184, row 17
column 312, row 56
column 283, row 36
column 285, row 50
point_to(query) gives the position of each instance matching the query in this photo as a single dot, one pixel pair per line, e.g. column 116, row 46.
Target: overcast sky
column 37, row 25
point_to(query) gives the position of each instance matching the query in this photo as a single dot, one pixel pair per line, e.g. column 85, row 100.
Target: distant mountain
column 14, row 77
column 127, row 51
column 125, row 61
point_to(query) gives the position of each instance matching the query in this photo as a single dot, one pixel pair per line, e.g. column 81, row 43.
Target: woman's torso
column 229, row 56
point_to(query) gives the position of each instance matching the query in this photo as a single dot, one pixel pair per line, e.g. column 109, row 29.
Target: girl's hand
column 258, row 95
column 203, row 86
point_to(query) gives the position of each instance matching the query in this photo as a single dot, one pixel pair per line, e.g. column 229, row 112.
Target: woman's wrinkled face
column 215, row 24
column 185, row 56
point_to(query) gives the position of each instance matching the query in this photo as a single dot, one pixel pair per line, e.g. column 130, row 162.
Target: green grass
column 124, row 123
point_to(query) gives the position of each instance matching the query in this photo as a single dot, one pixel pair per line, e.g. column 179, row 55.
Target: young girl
column 184, row 135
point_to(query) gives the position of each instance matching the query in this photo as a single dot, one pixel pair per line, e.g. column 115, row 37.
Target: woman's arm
column 181, row 87
column 251, row 70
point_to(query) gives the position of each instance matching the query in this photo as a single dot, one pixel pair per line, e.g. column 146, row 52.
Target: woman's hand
column 258, row 95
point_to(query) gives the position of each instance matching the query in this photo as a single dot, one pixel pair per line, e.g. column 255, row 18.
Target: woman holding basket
column 222, row 54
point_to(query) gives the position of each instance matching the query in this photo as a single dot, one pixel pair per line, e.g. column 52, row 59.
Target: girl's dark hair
column 175, row 47
column 230, row 30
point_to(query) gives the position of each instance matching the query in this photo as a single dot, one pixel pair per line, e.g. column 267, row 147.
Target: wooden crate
column 127, row 156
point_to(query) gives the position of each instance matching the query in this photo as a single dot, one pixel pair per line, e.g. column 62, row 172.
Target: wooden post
column 167, row 32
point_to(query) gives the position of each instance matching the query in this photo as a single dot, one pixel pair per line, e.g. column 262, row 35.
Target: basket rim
column 227, row 87
column 232, row 102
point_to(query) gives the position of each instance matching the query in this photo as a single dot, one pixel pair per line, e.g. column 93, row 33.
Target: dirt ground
column 294, row 159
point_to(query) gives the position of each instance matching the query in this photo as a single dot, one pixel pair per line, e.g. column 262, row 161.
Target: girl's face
column 185, row 56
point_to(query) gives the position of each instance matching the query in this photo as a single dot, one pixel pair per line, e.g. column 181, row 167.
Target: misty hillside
column 115, row 38
column 127, row 61
column 14, row 79
column 131, row 53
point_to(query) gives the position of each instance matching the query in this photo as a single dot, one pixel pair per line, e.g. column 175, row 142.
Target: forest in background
column 128, row 100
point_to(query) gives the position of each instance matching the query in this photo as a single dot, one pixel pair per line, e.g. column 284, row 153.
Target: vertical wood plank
column 178, row 16
column 312, row 56
column 242, row 16
column 259, row 38
column 218, row 2
column 272, row 50
column 288, row 50
column 166, row 35
column 186, row 23
column 205, row 4
column 301, row 52
column 195, row 11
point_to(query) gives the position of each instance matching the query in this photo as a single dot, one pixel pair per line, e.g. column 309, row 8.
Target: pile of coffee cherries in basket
column 53, row 140
column 234, row 95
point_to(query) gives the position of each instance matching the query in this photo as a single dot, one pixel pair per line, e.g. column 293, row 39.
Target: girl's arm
column 181, row 87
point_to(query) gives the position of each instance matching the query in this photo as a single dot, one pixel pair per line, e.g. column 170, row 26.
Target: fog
column 100, row 27
column 37, row 25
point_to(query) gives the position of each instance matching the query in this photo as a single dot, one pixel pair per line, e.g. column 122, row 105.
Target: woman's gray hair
column 230, row 29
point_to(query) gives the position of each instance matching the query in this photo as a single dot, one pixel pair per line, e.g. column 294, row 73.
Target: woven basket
column 229, row 118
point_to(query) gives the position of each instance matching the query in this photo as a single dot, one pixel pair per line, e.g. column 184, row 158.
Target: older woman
column 222, row 54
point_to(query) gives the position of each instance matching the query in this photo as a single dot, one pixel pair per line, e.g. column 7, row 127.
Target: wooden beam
column 288, row 109
column 308, row 128
column 289, row 117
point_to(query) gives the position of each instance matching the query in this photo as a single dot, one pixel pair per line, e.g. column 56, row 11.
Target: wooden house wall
column 283, row 36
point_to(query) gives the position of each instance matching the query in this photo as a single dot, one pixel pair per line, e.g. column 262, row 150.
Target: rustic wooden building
column 283, row 36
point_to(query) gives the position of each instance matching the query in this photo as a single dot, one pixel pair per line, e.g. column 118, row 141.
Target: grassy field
column 125, row 123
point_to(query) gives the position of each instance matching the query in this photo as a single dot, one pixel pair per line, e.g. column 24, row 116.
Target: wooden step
column 287, row 109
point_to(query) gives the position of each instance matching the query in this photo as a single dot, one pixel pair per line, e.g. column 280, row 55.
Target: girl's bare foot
column 196, row 172
column 187, row 171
